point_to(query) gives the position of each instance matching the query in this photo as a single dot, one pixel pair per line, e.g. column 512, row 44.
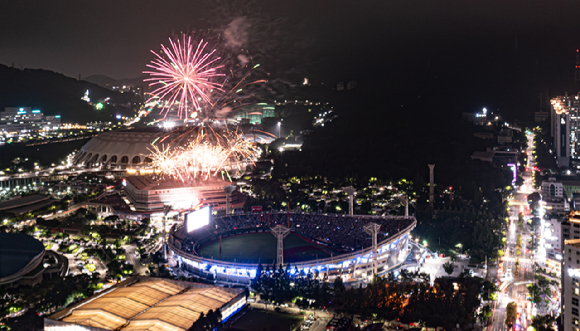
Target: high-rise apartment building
column 566, row 128
column 571, row 285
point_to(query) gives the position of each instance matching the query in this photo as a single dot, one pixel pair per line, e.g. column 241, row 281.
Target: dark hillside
column 56, row 94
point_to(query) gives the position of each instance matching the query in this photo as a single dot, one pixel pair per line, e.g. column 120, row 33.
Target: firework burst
column 186, row 74
column 207, row 153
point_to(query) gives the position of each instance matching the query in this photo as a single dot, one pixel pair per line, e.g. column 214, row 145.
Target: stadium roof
column 24, row 201
column 118, row 144
column 149, row 304
column 17, row 250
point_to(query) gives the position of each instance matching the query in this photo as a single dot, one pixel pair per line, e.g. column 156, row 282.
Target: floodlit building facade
column 146, row 193
column 17, row 119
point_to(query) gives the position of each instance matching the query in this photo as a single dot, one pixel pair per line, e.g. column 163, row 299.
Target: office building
column 255, row 113
column 553, row 235
column 18, row 119
column 554, row 195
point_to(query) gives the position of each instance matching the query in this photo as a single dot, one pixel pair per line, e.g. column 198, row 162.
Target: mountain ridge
column 56, row 94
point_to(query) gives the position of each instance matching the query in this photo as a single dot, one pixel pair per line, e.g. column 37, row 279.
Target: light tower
column 280, row 232
column 373, row 230
column 405, row 199
column 577, row 68
column 431, row 185
column 166, row 210
column 350, row 191
column 229, row 190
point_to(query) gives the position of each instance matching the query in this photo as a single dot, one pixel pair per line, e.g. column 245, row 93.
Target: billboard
column 256, row 209
column 197, row 219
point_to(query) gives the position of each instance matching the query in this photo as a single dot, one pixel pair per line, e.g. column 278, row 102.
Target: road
column 515, row 288
column 135, row 259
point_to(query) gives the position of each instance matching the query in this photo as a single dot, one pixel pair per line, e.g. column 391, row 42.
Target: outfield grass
column 261, row 247
column 262, row 320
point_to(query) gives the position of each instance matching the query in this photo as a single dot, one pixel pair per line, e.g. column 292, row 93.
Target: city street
column 514, row 280
column 135, row 259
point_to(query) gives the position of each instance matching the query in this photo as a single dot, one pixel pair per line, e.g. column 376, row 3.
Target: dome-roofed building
column 122, row 149
column 21, row 258
column 131, row 148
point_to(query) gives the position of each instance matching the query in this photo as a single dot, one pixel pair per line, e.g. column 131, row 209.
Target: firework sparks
column 186, row 74
column 206, row 155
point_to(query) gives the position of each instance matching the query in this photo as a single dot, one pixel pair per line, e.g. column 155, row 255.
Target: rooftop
column 17, row 250
column 142, row 303
column 25, row 201
column 573, row 242
column 148, row 183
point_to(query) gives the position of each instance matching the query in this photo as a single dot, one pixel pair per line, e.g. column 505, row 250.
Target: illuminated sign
column 574, row 273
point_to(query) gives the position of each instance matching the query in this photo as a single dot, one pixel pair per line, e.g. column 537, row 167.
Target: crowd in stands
column 339, row 231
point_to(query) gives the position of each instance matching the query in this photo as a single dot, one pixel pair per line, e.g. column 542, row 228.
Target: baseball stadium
column 231, row 247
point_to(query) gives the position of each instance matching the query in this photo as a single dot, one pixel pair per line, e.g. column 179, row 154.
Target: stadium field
column 261, row 248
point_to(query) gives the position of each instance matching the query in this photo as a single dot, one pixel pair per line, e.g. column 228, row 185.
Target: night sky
column 493, row 50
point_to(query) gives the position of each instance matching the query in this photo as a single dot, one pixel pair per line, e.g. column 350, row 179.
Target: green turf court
column 261, row 247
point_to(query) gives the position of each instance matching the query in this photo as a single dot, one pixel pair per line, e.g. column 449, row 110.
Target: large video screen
column 197, row 219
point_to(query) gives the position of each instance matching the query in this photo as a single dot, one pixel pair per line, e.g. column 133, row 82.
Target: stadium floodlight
column 166, row 210
column 350, row 191
column 229, row 190
column 280, row 232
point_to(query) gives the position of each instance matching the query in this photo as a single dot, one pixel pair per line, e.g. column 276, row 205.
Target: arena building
column 143, row 303
column 130, row 149
column 118, row 149
column 331, row 245
column 24, row 261
column 148, row 194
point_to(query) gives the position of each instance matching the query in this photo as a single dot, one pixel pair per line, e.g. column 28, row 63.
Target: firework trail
column 186, row 74
column 207, row 153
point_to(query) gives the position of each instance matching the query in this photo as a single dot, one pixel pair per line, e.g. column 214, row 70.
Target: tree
column 511, row 314
column 449, row 267
column 543, row 323
column 534, row 291
column 338, row 286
